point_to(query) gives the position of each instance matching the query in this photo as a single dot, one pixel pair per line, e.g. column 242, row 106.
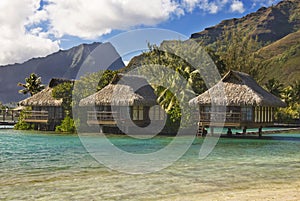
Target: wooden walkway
column 254, row 135
column 8, row 117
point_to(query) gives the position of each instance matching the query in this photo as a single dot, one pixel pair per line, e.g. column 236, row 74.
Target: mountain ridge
column 61, row 64
column 277, row 29
column 269, row 24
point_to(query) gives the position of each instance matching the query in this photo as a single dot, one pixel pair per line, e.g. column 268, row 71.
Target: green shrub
column 288, row 114
column 66, row 126
column 22, row 125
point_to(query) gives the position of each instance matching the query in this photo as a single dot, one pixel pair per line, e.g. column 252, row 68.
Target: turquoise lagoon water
column 57, row 167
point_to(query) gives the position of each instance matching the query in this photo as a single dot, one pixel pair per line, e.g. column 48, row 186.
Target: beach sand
column 280, row 192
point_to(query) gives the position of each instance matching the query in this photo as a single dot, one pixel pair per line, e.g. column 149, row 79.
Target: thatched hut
column 46, row 112
column 246, row 103
column 125, row 94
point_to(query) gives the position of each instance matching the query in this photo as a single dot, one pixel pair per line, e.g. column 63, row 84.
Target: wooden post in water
column 212, row 131
column 260, row 131
column 229, row 132
column 245, row 130
column 100, row 129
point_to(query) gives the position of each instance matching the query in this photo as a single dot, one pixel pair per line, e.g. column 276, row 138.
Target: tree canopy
column 64, row 91
column 91, row 83
column 33, row 84
column 236, row 50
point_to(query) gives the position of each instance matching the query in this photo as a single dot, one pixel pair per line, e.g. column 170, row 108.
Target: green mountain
column 268, row 24
column 61, row 64
column 276, row 29
column 281, row 59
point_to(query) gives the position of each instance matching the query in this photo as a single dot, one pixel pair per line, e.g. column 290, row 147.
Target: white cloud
column 237, row 6
column 210, row 6
column 190, row 5
column 16, row 43
column 264, row 2
column 93, row 18
column 27, row 31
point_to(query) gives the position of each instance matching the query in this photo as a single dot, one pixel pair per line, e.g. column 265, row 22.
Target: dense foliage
column 64, row 91
column 21, row 124
column 290, row 95
column 277, row 29
column 33, row 84
column 91, row 83
column 66, row 126
column 237, row 51
column 71, row 93
column 177, row 67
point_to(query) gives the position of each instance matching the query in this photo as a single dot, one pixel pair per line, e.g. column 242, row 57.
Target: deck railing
column 220, row 117
column 102, row 116
column 8, row 116
column 36, row 116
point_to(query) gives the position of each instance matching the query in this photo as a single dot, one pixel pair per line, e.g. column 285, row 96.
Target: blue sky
column 35, row 28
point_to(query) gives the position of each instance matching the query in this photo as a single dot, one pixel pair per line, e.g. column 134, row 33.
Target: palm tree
column 33, row 85
column 274, row 87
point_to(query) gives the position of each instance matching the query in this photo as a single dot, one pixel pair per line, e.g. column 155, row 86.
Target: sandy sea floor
column 263, row 192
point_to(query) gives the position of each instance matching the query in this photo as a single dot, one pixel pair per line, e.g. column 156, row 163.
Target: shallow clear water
column 57, row 167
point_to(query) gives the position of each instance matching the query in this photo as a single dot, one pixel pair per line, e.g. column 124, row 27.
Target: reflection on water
column 44, row 167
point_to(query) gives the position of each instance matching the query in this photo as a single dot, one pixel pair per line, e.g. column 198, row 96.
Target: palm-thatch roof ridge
column 45, row 98
column 239, row 89
column 124, row 90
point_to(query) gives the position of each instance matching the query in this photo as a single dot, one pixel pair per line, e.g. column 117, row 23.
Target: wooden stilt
column 212, row 131
column 260, row 131
column 245, row 130
column 100, row 129
column 229, row 132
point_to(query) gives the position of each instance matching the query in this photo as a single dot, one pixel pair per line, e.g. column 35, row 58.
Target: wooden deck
column 8, row 117
column 102, row 118
column 228, row 119
column 36, row 116
column 220, row 119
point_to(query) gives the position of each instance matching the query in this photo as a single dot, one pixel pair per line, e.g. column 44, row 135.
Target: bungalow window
column 247, row 113
column 107, row 108
column 51, row 113
column 59, row 112
column 157, row 113
column 138, row 113
column 100, row 108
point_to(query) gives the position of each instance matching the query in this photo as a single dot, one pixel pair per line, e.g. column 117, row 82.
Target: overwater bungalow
column 123, row 100
column 45, row 112
column 245, row 104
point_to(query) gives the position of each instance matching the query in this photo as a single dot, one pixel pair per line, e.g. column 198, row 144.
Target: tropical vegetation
column 291, row 96
column 21, row 124
column 67, row 125
column 33, row 84
column 71, row 93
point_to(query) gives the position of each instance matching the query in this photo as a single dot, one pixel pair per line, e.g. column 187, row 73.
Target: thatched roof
column 239, row 89
column 45, row 98
column 123, row 92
